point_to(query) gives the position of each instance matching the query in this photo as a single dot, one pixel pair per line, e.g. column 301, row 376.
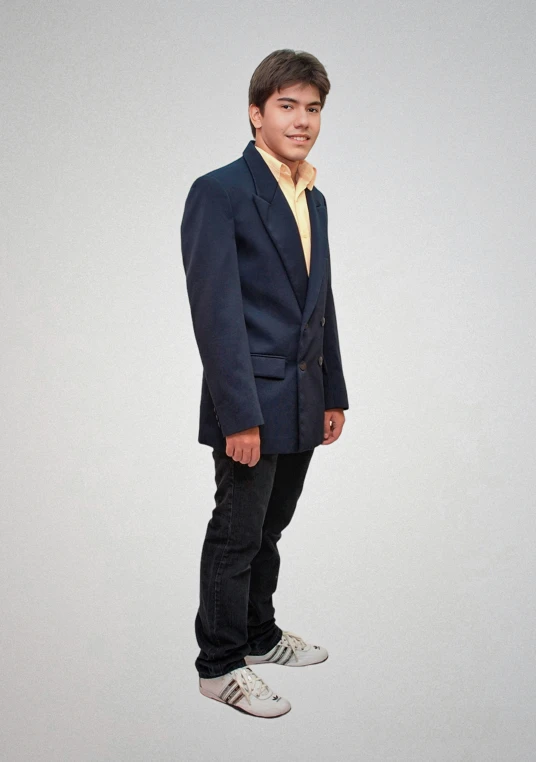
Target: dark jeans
column 240, row 560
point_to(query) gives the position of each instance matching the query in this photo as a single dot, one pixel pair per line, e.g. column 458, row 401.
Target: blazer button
column 303, row 365
column 320, row 360
column 323, row 321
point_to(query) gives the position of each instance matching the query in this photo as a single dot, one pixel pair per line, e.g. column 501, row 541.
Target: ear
column 255, row 115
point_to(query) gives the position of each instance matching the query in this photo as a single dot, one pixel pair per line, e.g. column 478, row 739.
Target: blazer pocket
column 268, row 366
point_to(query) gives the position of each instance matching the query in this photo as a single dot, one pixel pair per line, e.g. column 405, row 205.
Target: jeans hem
column 240, row 663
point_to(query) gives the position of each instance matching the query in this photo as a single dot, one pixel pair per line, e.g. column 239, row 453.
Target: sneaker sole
column 244, row 711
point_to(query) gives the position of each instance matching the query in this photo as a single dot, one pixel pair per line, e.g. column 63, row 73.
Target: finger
column 329, row 438
column 255, row 456
column 329, row 431
column 336, row 431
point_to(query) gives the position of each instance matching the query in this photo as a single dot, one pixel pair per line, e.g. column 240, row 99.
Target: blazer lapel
column 281, row 226
column 319, row 250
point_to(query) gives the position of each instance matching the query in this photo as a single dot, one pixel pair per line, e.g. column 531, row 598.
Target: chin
column 300, row 147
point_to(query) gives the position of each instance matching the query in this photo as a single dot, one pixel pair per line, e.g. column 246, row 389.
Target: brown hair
column 283, row 68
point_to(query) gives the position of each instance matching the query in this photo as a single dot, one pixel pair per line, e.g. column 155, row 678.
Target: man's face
column 292, row 111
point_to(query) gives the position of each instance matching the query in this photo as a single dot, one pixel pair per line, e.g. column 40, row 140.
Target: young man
column 257, row 263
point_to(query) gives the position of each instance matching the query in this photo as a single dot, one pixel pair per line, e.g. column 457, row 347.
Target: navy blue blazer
column 266, row 331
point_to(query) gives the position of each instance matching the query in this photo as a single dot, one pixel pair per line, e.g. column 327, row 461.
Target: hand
column 333, row 423
column 245, row 446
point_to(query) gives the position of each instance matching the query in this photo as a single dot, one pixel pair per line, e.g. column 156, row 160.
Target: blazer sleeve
column 335, row 394
column 213, row 284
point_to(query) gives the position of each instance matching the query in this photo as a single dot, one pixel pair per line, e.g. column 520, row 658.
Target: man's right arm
column 213, row 284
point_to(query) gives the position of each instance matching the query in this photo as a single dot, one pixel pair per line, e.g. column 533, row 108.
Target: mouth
column 298, row 138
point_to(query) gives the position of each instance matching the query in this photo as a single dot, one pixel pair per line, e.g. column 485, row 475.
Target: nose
column 301, row 118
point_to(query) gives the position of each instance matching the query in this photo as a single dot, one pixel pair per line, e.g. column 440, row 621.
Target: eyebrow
column 294, row 100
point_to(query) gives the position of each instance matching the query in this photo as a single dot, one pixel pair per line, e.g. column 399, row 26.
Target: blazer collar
column 281, row 226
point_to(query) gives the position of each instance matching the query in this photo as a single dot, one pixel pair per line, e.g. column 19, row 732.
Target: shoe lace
column 251, row 684
column 294, row 641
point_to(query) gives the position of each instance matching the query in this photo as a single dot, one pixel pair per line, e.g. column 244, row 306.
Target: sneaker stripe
column 277, row 653
column 284, row 655
column 228, row 688
column 289, row 657
column 238, row 696
column 233, row 694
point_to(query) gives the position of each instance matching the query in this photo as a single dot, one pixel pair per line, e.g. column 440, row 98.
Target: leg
column 233, row 538
column 263, row 633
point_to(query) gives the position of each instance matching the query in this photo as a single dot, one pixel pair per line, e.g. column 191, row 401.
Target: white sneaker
column 291, row 651
column 244, row 690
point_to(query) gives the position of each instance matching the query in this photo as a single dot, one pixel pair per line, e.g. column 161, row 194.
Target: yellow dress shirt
column 295, row 195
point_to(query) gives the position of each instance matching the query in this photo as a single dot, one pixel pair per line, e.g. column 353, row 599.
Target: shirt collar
column 306, row 171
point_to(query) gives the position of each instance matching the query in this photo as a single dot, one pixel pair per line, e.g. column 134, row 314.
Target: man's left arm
column 335, row 394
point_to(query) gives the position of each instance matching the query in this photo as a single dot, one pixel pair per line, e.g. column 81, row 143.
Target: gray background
column 411, row 555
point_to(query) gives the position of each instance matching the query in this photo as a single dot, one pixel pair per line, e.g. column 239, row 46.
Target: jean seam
column 223, row 556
